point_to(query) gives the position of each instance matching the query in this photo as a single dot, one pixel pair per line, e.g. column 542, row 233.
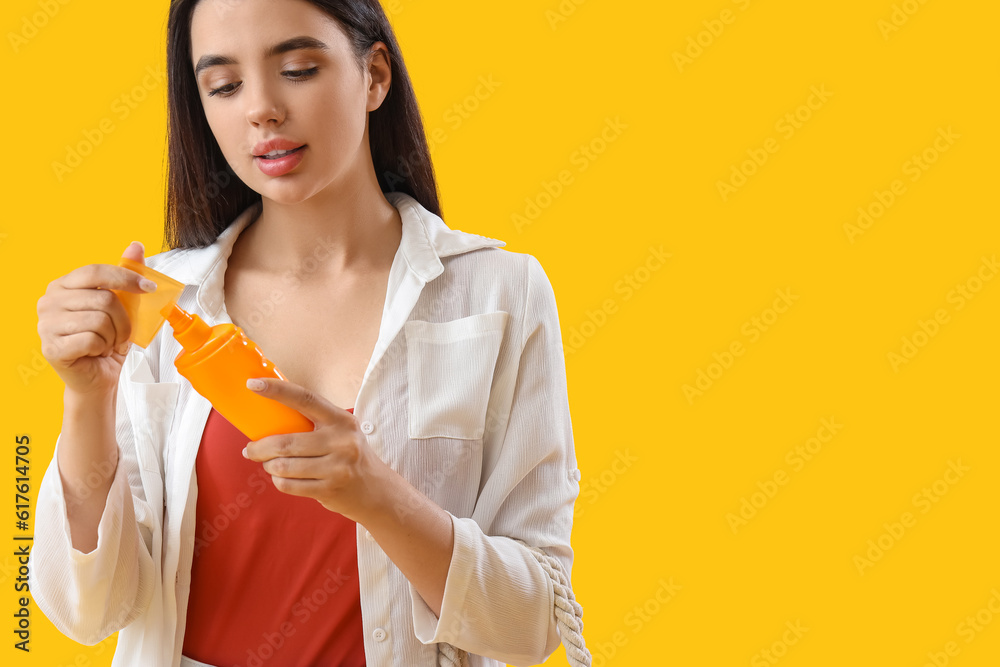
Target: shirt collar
column 425, row 240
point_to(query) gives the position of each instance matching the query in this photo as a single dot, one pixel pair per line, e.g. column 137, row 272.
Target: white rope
column 569, row 615
column 449, row 656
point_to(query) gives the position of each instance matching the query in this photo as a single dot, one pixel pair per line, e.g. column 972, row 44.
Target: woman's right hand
column 84, row 327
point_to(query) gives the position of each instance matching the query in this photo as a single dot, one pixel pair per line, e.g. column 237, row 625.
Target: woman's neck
column 325, row 238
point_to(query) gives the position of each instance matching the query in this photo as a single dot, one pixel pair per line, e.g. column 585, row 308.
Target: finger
column 105, row 301
column 135, row 251
column 295, row 467
column 316, row 408
column 307, row 488
column 106, row 276
column 86, row 321
column 287, row 445
column 67, row 349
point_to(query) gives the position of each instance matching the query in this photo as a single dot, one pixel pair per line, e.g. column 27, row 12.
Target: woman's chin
column 286, row 194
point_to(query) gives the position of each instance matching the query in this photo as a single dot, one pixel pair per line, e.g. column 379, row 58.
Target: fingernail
column 245, row 453
column 123, row 348
column 141, row 246
column 147, row 285
column 256, row 385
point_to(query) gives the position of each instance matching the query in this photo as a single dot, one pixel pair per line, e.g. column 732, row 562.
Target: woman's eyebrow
column 295, row 43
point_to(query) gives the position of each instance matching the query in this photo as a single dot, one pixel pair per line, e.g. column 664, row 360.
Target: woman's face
column 304, row 94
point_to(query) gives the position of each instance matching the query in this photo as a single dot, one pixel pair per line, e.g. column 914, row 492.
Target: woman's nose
column 263, row 106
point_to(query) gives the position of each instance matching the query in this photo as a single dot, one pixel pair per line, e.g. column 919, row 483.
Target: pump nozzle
column 189, row 330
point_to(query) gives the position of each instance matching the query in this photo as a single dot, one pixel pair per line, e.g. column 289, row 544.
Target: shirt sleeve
column 498, row 600
column 90, row 596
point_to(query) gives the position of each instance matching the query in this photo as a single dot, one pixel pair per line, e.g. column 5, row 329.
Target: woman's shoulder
column 499, row 269
column 496, row 279
column 171, row 259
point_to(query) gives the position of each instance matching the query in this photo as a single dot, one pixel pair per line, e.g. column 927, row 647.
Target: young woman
column 427, row 517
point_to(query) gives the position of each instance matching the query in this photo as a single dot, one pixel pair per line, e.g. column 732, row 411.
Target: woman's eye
column 293, row 75
column 300, row 73
column 222, row 89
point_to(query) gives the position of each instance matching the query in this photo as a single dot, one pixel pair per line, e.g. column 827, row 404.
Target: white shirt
column 464, row 395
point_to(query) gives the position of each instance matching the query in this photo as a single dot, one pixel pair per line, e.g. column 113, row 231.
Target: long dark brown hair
column 204, row 194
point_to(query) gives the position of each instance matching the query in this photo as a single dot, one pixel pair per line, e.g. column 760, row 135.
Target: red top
column 274, row 581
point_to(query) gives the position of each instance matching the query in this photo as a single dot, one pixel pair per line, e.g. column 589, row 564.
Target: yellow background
column 660, row 472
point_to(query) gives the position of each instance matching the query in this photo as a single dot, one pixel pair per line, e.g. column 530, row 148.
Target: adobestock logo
column 592, row 488
column 636, row 620
column 899, row 17
column 787, row 126
column 456, row 115
column 562, row 13
column 752, row 329
column 393, row 7
column 779, row 648
column 30, row 25
column 271, row 643
column 796, row 457
column 714, row 27
column 33, row 368
column 924, row 500
column 927, row 329
column 581, row 158
column 968, row 629
column 122, row 107
column 915, row 166
column 578, row 335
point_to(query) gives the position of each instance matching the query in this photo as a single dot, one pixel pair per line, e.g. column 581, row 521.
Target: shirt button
column 379, row 634
column 367, row 427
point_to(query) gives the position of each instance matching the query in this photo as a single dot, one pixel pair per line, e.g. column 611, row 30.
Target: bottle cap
column 148, row 311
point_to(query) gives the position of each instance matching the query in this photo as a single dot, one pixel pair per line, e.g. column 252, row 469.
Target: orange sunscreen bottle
column 217, row 361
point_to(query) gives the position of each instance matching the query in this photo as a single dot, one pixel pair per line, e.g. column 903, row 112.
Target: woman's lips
column 287, row 152
column 279, row 166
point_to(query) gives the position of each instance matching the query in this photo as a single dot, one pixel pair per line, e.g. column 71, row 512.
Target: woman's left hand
column 332, row 463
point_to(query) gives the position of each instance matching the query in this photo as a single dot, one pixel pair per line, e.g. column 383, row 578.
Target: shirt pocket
column 450, row 369
column 151, row 406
